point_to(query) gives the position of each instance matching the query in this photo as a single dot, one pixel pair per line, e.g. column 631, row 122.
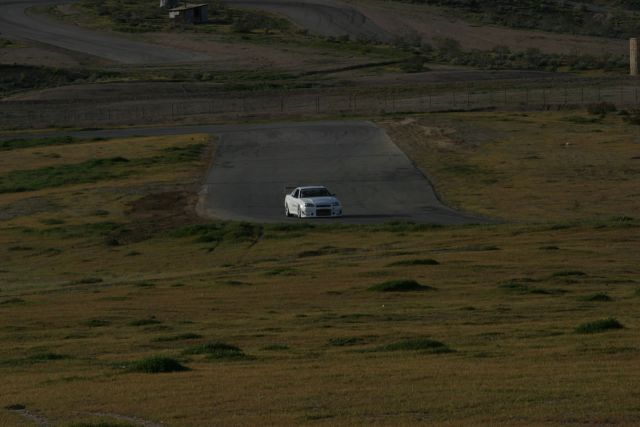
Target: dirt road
column 16, row 23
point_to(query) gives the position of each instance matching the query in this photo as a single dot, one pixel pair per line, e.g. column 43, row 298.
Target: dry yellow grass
column 296, row 301
column 528, row 167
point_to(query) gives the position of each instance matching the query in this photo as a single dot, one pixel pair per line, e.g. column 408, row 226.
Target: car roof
column 311, row 186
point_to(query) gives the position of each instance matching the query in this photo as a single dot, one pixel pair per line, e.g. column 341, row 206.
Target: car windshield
column 314, row 192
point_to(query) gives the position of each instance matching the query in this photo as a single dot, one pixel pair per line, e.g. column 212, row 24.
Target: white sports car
column 312, row 202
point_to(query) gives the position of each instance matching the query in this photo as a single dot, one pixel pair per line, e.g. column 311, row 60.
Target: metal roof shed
column 190, row 13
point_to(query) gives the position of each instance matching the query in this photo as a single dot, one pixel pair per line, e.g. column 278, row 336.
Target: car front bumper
column 321, row 212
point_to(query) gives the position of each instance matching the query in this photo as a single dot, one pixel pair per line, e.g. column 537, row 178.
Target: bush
column 157, row 364
column 597, row 326
column 400, row 286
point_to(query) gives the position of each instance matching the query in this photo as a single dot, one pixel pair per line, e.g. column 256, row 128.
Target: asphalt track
column 254, row 164
column 16, row 23
column 322, row 17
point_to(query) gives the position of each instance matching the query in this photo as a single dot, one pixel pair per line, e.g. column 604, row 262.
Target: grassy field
column 554, row 166
column 107, row 284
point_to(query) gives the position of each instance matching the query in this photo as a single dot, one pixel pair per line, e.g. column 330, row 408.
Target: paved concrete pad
column 374, row 180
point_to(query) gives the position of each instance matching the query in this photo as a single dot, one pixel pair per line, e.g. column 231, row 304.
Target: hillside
column 616, row 19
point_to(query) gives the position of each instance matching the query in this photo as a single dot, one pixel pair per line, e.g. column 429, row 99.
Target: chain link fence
column 284, row 105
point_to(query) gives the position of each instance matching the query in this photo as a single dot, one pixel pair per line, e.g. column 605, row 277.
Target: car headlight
column 336, row 203
column 308, row 205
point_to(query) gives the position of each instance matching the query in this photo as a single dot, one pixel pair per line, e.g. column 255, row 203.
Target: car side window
column 296, row 193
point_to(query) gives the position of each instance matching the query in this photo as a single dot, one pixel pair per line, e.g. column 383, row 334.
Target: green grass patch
column 92, row 170
column 598, row 326
column 13, row 144
column 412, row 262
column 56, row 176
column 417, row 344
column 12, row 301
column 157, row 364
column 400, row 286
column 217, row 350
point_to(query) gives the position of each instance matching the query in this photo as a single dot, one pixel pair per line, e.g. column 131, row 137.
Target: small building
column 190, row 14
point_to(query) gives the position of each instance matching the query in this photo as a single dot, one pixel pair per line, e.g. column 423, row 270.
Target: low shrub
column 597, row 326
column 400, row 286
column 179, row 337
column 599, row 297
column 144, row 322
column 344, row 341
column 217, row 350
column 157, row 364
column 418, row 344
column 410, row 262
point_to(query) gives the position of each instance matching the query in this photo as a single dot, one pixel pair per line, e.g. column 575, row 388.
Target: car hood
column 320, row 200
